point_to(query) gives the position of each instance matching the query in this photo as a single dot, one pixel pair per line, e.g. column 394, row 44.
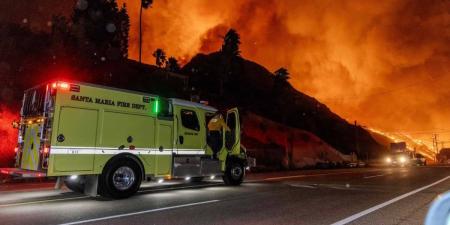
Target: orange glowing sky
column 383, row 63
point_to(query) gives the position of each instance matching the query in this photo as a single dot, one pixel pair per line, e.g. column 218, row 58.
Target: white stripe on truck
column 66, row 150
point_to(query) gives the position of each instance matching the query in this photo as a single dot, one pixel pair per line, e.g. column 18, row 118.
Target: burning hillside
column 385, row 63
column 417, row 145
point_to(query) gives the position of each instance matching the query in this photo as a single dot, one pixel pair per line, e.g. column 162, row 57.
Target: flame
column 384, row 63
column 421, row 146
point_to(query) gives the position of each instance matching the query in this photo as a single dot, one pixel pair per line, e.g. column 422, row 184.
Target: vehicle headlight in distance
column 388, row 159
column 402, row 159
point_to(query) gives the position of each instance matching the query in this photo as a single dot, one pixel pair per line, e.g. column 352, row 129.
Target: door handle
column 60, row 138
column 181, row 138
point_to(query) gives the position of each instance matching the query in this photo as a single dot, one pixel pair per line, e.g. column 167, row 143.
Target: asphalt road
column 299, row 197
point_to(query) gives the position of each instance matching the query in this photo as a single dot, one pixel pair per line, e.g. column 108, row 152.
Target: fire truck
column 105, row 141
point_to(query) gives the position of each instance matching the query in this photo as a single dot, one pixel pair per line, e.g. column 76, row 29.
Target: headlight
column 402, row 159
column 388, row 160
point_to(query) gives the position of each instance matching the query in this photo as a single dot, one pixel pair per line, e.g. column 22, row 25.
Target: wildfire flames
column 413, row 144
column 385, row 63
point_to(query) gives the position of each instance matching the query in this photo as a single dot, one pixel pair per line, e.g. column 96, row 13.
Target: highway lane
column 295, row 197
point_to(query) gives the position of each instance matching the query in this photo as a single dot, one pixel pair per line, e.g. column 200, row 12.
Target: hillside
column 288, row 148
column 226, row 82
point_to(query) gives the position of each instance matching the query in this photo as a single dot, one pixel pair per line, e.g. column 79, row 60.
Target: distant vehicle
column 419, row 160
column 399, row 156
column 444, row 156
column 352, row 161
column 105, row 141
column 398, row 159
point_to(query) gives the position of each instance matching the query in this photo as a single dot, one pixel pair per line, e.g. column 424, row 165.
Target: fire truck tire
column 121, row 178
column 234, row 174
column 75, row 185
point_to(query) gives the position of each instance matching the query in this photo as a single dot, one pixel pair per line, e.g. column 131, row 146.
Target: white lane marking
column 303, row 186
column 298, row 176
column 384, row 204
column 42, row 201
column 140, row 212
column 83, row 197
column 379, row 175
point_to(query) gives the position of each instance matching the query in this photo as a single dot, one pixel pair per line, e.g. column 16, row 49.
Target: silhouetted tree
column 172, row 65
column 231, row 43
column 281, row 74
column 160, row 57
column 145, row 4
column 124, row 32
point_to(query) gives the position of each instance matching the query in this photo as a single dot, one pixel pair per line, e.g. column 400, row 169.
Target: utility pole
column 435, row 146
column 356, row 139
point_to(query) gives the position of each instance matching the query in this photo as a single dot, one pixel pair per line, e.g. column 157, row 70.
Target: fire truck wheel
column 120, row 179
column 234, row 173
column 75, row 185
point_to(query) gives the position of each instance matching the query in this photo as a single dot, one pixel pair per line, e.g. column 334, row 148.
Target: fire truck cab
column 106, row 141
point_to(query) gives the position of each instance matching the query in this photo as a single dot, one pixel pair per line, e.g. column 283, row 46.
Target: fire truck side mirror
column 15, row 124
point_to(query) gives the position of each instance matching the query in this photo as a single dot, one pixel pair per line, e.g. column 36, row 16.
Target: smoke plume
column 383, row 63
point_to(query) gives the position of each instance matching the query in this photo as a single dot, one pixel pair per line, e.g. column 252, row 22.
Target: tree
column 231, row 43
column 172, row 65
column 160, row 57
column 124, row 32
column 145, row 4
column 281, row 74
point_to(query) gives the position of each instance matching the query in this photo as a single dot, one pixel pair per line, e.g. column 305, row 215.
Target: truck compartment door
column 190, row 139
column 164, row 153
column 75, row 140
column 32, row 141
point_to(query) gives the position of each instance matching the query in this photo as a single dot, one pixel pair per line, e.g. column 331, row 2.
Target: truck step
column 22, row 173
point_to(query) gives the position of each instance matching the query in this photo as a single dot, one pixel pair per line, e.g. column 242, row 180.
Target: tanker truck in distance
column 399, row 155
column 106, row 141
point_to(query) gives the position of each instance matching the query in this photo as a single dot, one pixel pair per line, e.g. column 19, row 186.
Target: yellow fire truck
column 106, row 141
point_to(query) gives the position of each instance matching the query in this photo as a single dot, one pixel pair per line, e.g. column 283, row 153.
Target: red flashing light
column 64, row 86
column 61, row 85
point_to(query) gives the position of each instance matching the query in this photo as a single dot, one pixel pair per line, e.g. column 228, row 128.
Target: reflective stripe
column 112, row 151
column 190, row 152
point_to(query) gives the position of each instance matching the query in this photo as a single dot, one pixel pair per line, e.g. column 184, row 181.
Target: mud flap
column 59, row 183
column 91, row 185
